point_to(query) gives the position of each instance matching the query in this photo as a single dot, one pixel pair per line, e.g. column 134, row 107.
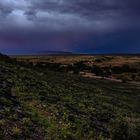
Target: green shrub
column 120, row 130
column 97, row 70
column 16, row 131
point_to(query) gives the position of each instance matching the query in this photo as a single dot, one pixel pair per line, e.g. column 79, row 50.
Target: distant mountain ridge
column 53, row 53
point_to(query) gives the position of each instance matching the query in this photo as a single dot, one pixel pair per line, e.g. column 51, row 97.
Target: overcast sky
column 90, row 26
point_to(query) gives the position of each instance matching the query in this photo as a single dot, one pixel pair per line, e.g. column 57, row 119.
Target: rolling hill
column 36, row 103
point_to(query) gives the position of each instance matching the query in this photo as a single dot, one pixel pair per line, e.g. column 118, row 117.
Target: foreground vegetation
column 36, row 103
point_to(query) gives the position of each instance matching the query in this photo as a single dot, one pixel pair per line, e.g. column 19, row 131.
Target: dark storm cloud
column 96, row 13
column 67, row 14
column 38, row 22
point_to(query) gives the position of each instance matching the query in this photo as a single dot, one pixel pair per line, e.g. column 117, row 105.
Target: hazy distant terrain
column 36, row 103
column 125, row 68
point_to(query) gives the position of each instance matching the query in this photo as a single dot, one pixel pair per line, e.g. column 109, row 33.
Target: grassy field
column 38, row 104
column 125, row 68
column 106, row 60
